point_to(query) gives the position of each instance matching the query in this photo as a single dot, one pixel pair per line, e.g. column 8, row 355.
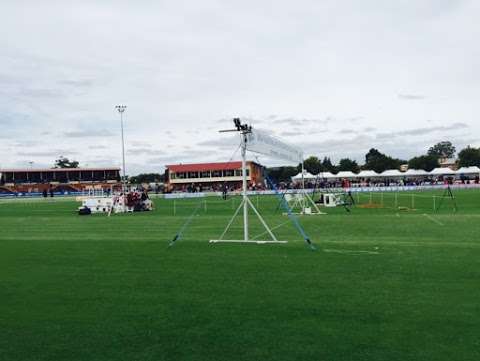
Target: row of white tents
column 391, row 173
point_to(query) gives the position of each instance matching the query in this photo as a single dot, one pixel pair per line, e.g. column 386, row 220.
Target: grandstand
column 212, row 176
column 57, row 179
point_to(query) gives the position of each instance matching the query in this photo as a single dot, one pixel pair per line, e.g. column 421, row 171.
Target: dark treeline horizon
column 380, row 162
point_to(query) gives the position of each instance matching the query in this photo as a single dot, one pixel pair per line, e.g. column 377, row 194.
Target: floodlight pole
column 303, row 175
column 121, row 109
column 244, row 186
column 303, row 185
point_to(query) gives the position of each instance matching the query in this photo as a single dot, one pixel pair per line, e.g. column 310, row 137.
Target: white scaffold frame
column 302, row 200
column 246, row 203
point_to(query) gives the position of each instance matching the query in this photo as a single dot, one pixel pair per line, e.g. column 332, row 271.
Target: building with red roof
column 212, row 176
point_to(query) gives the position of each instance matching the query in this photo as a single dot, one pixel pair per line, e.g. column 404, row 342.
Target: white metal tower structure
column 244, row 130
column 121, row 109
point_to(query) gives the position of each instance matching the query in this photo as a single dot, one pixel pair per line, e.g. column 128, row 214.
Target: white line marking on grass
column 433, row 219
column 276, row 227
column 349, row 251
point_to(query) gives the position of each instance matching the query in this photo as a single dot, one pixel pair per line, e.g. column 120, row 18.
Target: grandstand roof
column 35, row 170
column 199, row 167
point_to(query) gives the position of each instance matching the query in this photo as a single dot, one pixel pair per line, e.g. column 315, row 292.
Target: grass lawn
column 384, row 283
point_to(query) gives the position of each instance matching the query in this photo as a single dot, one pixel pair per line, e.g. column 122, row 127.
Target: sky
column 334, row 78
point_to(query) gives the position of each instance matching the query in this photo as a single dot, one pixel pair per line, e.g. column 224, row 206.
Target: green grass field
column 385, row 283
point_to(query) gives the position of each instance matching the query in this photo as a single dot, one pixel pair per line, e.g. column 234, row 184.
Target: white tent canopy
column 323, row 175
column 345, row 174
column 306, row 176
column 442, row 171
column 367, row 174
column 469, row 170
column 416, row 172
column 392, row 173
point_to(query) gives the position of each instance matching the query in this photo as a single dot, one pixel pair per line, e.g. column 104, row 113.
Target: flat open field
column 384, row 283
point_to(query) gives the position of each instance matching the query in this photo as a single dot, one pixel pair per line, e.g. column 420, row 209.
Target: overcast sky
column 334, row 77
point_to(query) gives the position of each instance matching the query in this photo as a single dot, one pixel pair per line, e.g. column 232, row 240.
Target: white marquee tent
column 416, row 173
column 367, row 174
column 345, row 174
column 325, row 175
column 392, row 173
column 306, row 176
column 469, row 170
column 442, row 171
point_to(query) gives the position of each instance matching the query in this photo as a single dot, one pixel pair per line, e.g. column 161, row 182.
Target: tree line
column 380, row 162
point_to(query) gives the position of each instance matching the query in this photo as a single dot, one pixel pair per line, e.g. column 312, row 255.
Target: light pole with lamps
column 121, row 109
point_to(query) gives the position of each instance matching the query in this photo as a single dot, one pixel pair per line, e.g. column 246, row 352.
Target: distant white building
column 448, row 163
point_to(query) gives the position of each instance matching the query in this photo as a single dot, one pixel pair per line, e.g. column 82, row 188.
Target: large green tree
column 327, row 165
column 347, row 164
column 64, row 162
column 425, row 162
column 282, row 174
column 147, row 178
column 379, row 162
column 313, row 165
column 443, row 149
column 469, row 157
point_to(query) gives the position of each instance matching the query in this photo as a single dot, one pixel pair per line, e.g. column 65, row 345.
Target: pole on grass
column 121, row 109
column 396, row 201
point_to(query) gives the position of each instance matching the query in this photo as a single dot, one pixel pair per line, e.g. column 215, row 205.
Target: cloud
column 40, row 93
column 301, row 121
column 295, row 132
column 291, row 133
column 47, row 153
column 140, row 143
column 142, row 151
column 84, row 83
column 91, row 133
column 347, row 131
column 411, row 96
column 354, row 119
column 227, row 142
column 422, row 131
column 26, row 143
column 98, row 147
column 186, row 157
